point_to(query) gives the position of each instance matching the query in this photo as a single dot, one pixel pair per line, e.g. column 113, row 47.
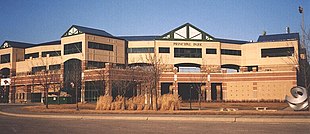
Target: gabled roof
column 16, row 44
column 56, row 42
column 75, row 29
column 278, row 37
column 139, row 38
column 187, row 32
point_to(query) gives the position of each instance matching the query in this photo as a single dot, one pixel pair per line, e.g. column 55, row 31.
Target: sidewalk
column 15, row 111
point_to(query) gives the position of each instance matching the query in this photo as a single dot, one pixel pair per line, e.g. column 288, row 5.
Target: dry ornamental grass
column 165, row 102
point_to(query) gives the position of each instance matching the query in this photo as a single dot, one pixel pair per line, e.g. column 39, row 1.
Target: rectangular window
column 277, row 52
column 141, row 50
column 94, row 64
column 100, row 46
column 33, row 55
column 38, row 68
column 231, row 52
column 187, row 52
column 54, row 67
column 6, row 58
column 73, row 48
column 210, row 51
column 51, row 53
column 164, row 50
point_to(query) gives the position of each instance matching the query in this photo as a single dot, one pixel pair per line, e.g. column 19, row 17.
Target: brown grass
column 169, row 102
column 104, row 103
column 89, row 109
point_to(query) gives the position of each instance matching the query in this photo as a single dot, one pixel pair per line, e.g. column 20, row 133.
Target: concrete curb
column 171, row 118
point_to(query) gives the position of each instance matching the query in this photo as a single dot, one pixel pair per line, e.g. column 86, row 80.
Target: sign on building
column 5, row 81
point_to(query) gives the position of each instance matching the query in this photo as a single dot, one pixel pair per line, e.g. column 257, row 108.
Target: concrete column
column 28, row 93
column 11, row 93
column 208, row 90
column 203, row 91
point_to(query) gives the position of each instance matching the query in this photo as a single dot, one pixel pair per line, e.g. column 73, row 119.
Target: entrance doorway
column 216, row 92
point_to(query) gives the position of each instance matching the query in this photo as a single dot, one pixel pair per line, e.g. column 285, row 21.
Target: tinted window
column 51, row 53
column 277, row 52
column 100, row 46
column 94, row 64
column 141, row 50
column 54, row 67
column 38, row 68
column 231, row 52
column 73, row 48
column 5, row 58
column 187, row 52
column 33, row 55
column 210, row 51
column 164, row 50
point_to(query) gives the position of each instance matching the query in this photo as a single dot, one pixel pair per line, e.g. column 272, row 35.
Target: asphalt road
column 11, row 125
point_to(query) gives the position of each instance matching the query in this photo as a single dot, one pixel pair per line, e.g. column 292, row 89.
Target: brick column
column 224, row 91
column 175, row 81
column 107, row 79
column 10, row 89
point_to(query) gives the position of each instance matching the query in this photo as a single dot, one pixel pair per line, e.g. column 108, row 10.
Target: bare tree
column 155, row 70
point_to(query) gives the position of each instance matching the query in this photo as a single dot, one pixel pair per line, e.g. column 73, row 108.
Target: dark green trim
column 66, row 33
column 187, row 25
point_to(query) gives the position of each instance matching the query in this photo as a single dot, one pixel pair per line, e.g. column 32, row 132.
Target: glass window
column 187, row 52
column 141, row 50
column 6, row 58
column 51, row 53
column 33, row 55
column 164, row 50
column 277, row 52
column 38, row 68
column 93, row 89
column 231, row 52
column 100, row 46
column 54, row 67
column 73, row 48
column 210, row 51
column 94, row 64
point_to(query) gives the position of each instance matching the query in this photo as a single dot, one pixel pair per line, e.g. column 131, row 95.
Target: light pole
column 76, row 96
column 190, row 97
column 301, row 11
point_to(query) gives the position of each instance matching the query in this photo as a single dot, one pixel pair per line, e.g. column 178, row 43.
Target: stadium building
column 192, row 62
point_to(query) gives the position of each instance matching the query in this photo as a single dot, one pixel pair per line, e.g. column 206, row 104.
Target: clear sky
column 36, row 21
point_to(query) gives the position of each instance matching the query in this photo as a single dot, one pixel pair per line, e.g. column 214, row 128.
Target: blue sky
column 36, row 21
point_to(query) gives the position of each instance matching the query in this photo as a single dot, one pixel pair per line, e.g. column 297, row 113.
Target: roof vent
column 287, row 30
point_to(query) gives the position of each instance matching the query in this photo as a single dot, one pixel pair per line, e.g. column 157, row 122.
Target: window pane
column 231, row 52
column 141, row 50
column 5, row 58
column 73, row 48
column 100, row 46
column 187, row 52
column 277, row 52
column 164, row 50
column 210, row 51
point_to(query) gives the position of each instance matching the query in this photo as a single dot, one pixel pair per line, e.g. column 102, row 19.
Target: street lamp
column 301, row 11
column 190, row 97
column 76, row 96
